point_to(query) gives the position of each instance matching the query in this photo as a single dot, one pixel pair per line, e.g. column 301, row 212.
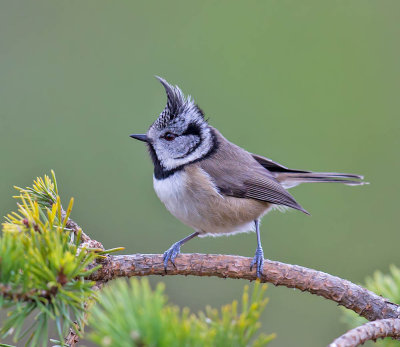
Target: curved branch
column 369, row 331
column 362, row 301
column 75, row 228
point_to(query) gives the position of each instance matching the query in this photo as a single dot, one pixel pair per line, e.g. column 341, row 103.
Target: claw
column 170, row 254
column 258, row 260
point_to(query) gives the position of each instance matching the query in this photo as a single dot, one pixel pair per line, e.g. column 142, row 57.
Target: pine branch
column 70, row 224
column 72, row 339
column 369, row 331
column 362, row 301
column 41, row 217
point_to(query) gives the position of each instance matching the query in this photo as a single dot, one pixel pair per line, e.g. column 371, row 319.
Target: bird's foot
column 258, row 260
column 171, row 253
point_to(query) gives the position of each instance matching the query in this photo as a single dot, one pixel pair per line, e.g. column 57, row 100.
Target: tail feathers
column 291, row 179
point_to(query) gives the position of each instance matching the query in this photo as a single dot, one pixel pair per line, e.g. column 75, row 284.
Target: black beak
column 140, row 137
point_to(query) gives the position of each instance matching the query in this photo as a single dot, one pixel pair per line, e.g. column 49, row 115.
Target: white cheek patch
column 204, row 147
column 183, row 144
column 188, row 145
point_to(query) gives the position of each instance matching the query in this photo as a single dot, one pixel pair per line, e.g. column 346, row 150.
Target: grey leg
column 258, row 259
column 175, row 249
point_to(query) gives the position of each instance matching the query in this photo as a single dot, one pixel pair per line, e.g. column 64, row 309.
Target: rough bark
column 366, row 303
column 369, row 331
column 384, row 314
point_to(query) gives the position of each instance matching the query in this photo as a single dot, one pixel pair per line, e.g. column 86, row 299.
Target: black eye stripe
column 192, row 129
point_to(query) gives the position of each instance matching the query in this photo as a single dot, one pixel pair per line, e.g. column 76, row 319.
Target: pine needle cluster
column 131, row 314
column 42, row 268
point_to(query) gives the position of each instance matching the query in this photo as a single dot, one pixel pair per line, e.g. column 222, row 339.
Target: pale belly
column 192, row 198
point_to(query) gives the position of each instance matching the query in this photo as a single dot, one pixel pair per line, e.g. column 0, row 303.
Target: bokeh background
column 311, row 84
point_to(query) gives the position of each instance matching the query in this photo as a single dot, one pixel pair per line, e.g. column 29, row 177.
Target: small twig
column 10, row 293
column 76, row 229
column 369, row 331
column 72, row 338
column 362, row 301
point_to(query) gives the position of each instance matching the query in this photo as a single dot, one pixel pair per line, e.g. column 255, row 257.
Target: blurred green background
column 311, row 84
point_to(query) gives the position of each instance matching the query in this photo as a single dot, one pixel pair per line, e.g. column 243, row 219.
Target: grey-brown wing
column 268, row 189
column 236, row 173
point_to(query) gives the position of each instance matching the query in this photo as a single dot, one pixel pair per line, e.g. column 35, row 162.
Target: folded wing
column 236, row 173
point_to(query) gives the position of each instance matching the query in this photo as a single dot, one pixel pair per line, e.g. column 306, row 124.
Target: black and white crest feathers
column 180, row 135
column 177, row 104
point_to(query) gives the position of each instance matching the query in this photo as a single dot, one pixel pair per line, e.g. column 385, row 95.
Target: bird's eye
column 169, row 136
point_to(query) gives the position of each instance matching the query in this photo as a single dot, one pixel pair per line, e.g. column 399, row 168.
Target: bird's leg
column 258, row 259
column 175, row 249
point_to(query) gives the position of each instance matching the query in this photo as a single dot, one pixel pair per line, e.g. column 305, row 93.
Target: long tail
column 291, row 179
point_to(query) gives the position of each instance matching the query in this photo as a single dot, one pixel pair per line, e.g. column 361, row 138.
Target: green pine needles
column 131, row 314
column 42, row 268
column 44, row 263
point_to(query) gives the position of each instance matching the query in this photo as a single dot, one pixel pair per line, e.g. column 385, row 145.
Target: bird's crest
column 177, row 105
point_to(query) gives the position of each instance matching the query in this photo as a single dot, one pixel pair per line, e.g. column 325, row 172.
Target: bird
column 212, row 185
